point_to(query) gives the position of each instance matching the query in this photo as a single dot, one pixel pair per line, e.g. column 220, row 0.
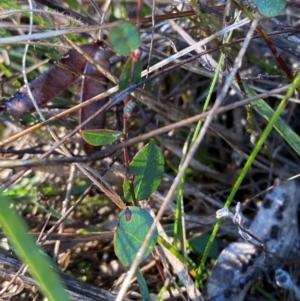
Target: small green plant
column 192, row 75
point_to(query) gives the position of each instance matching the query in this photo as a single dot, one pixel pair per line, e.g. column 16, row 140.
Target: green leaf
column 270, row 8
column 24, row 245
column 147, row 168
column 133, row 227
column 100, row 137
column 280, row 125
column 125, row 38
column 131, row 74
column 199, row 243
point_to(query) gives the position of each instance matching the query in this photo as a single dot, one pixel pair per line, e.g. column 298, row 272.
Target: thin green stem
column 262, row 139
column 198, row 128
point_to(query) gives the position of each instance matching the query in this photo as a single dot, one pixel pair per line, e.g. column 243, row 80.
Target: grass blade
column 280, row 125
column 39, row 263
